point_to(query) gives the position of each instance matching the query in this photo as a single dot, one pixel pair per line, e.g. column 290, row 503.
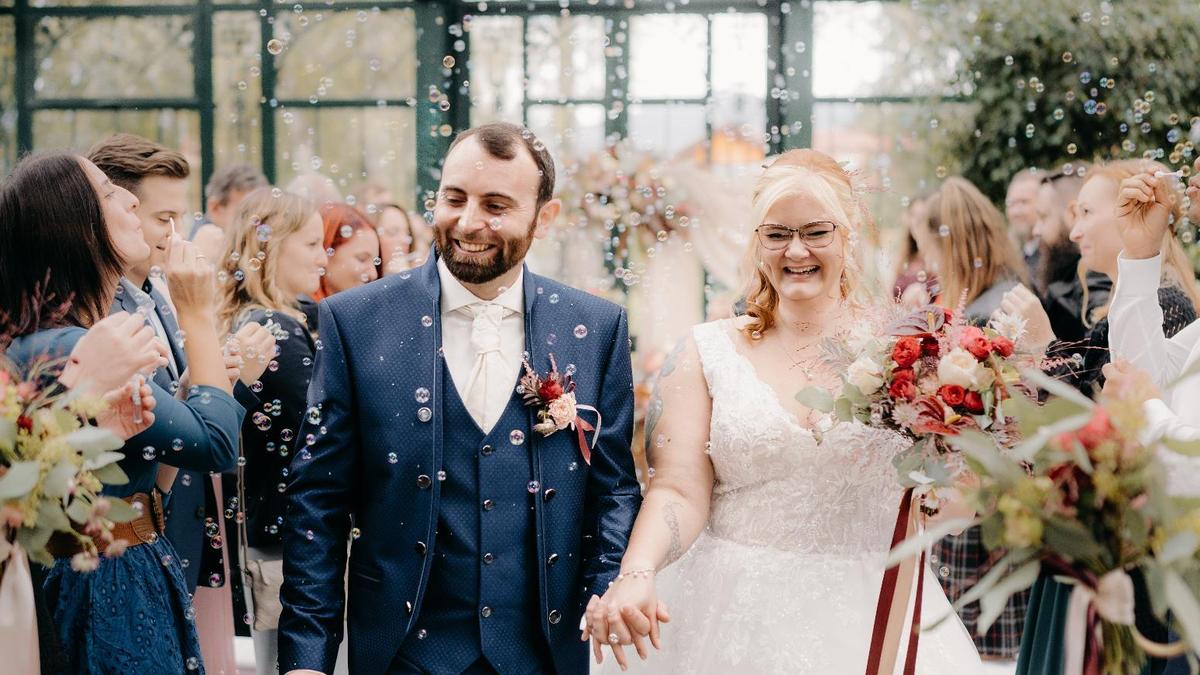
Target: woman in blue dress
column 65, row 232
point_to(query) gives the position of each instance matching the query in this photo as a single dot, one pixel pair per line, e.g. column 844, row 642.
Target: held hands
column 1020, row 301
column 190, row 279
column 628, row 613
column 1143, row 206
column 114, row 350
column 254, row 346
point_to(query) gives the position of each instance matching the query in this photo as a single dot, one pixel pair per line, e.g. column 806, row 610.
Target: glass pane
column 79, row 58
column 571, row 132
column 496, row 73
column 350, row 145
column 346, row 55
column 8, row 101
column 890, row 143
column 667, row 130
column 237, row 87
column 83, row 3
column 738, row 108
column 668, row 56
column 81, row 129
column 566, row 57
column 865, row 48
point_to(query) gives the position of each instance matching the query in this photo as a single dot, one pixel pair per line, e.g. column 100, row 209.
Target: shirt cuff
column 1139, row 277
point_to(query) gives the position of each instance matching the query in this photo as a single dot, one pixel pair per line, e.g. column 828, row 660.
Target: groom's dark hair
column 501, row 139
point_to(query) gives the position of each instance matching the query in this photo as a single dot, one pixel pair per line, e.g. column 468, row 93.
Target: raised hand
column 1020, row 301
column 1143, row 207
column 190, row 279
column 1125, row 381
column 256, row 346
column 114, row 350
column 129, row 409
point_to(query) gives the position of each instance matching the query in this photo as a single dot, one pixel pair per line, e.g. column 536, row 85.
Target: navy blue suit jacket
column 379, row 344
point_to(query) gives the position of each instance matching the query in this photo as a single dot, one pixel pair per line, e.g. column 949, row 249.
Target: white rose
column 960, row 367
column 865, row 375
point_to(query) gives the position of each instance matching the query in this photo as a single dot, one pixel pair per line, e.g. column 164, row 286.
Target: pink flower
column 974, row 341
column 84, row 562
column 562, row 410
column 116, row 549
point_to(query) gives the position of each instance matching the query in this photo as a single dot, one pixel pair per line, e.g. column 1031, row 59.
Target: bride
column 777, row 520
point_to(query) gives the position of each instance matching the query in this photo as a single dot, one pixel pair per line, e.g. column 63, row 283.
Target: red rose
column 973, row 402
column 25, row 422
column 1003, row 346
column 907, row 351
column 952, row 394
column 904, row 385
column 1096, row 431
column 550, row 390
column 930, row 346
column 974, row 341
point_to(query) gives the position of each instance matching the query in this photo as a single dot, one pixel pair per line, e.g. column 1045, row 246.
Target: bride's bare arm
column 675, row 508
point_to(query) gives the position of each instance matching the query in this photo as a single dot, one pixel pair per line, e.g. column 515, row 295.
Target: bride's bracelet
column 634, row 574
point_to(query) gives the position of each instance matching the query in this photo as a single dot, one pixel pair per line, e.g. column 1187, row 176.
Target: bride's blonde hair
column 812, row 173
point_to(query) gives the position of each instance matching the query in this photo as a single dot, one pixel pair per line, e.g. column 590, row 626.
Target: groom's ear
column 546, row 216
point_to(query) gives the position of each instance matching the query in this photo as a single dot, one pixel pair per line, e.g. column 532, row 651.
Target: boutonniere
column 554, row 397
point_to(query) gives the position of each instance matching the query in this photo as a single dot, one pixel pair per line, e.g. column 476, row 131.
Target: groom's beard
column 509, row 252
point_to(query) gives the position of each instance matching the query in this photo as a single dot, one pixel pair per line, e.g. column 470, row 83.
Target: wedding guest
column 65, row 225
column 964, row 238
column 1170, row 300
column 315, row 187
column 278, row 241
column 1020, row 210
column 911, row 281
column 352, row 245
column 1058, row 281
column 403, row 240
column 158, row 177
column 225, row 190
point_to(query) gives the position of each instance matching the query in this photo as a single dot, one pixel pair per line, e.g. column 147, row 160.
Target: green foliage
column 1055, row 79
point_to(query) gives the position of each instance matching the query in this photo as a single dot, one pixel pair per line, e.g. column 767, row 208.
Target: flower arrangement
column 554, row 397
column 1084, row 497
column 930, row 378
column 54, row 461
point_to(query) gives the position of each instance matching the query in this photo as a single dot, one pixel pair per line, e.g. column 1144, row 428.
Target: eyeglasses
column 817, row 234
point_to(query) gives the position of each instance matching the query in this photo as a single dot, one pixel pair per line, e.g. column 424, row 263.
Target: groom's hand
column 626, row 615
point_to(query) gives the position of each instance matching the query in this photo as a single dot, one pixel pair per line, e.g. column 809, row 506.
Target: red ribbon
column 887, row 593
column 581, row 427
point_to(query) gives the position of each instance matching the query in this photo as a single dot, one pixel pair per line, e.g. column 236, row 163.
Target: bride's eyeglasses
column 817, row 234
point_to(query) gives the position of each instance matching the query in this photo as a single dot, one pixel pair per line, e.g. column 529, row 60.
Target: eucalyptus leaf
column 816, row 398
column 19, row 480
column 103, row 459
column 1182, row 601
column 8, row 435
column 1072, row 539
column 34, row 540
column 991, row 605
column 79, row 510
column 120, row 511
column 111, row 475
column 1182, row 545
column 93, row 439
column 51, row 515
column 58, row 481
column 917, row 543
column 844, row 410
column 982, row 449
column 1062, row 390
column 994, row 575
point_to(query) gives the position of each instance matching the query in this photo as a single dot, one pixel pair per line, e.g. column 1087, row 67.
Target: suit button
column 488, row 558
column 486, row 450
column 424, row 482
column 488, row 505
column 420, row 548
column 485, row 612
column 549, row 494
column 552, row 559
column 408, row 606
column 555, row 616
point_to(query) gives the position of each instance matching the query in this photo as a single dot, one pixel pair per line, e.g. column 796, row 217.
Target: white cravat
column 483, row 342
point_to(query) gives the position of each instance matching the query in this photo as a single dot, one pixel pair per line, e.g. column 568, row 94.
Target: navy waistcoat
column 482, row 599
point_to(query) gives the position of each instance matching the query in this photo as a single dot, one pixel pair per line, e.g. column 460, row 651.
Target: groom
column 476, row 541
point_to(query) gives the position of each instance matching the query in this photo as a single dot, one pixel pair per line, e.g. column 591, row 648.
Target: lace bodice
column 831, row 490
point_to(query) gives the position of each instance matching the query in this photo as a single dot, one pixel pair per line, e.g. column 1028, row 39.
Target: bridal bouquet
column 53, row 463
column 1084, row 497
column 930, row 378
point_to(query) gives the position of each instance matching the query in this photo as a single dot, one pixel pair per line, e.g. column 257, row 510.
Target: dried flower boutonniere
column 554, row 397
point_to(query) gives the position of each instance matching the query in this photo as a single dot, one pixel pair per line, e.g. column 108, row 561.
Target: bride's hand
column 630, row 611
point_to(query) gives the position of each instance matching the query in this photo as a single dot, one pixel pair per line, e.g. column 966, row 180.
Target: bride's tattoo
column 655, row 409
column 672, row 519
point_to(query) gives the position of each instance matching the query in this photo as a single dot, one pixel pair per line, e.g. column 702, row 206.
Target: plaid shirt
column 959, row 562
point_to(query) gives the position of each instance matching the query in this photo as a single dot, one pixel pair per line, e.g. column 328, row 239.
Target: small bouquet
column 53, row 463
column 554, row 397
column 1084, row 497
column 929, row 378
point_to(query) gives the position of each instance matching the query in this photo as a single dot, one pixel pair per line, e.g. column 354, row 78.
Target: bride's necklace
column 803, row 351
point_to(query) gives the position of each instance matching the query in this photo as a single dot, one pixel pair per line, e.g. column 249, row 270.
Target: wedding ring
column 613, row 638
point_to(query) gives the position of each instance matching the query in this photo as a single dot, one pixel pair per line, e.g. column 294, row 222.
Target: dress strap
column 715, row 348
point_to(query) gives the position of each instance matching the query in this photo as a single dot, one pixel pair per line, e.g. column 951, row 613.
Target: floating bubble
column 355, row 533
column 944, row 230
column 275, row 47
column 214, row 580
column 392, row 458
column 427, row 321
column 448, row 61
column 554, row 298
column 149, row 453
column 441, row 475
column 517, row 437
column 422, row 395
column 533, row 486
column 193, row 663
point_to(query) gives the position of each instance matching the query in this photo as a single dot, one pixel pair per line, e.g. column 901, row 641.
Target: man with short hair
column 483, row 521
column 1020, row 207
column 225, row 190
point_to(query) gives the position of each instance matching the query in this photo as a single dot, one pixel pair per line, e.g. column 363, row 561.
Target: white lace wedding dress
column 786, row 576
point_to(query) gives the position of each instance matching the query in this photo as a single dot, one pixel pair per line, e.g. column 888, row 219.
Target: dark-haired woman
column 64, row 227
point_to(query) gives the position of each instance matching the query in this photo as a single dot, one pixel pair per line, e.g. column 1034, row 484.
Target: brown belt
column 144, row 529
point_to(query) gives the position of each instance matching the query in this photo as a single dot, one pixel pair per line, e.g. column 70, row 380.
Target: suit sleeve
column 318, row 502
column 614, row 495
column 199, row 433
